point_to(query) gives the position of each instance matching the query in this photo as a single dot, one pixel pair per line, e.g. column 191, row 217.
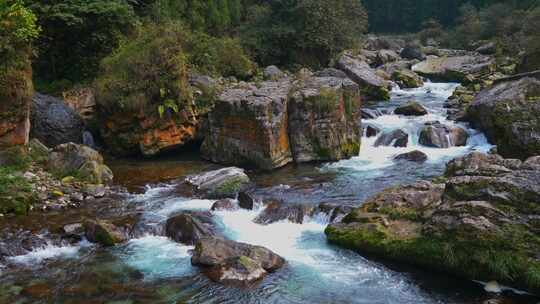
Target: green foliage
column 147, row 71
column 15, row 192
column 77, row 34
column 304, row 32
column 17, row 31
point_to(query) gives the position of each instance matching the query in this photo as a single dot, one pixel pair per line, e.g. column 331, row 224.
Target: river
column 153, row 269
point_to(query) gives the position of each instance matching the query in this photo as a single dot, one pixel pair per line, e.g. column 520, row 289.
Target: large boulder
column 53, row 122
column 407, row 79
column 222, row 183
column 465, row 69
column 386, row 56
column 413, row 156
column 324, row 117
column 480, row 224
column 80, row 161
column 438, row 135
column 272, row 72
column 396, row 138
column 509, row 115
column 412, row 52
column 190, row 227
column 375, row 43
column 232, row 262
column 371, row 85
column 248, row 127
column 411, row 109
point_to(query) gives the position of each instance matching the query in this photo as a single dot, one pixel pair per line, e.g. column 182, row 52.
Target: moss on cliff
column 15, row 192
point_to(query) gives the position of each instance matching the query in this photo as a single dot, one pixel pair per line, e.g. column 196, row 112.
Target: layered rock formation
column 249, row 127
column 324, row 116
column 372, row 86
column 508, row 113
column 267, row 127
column 480, row 222
column 465, row 69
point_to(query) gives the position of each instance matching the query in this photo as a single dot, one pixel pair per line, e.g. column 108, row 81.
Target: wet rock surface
column 484, row 201
column 234, row 263
column 222, row 183
column 508, row 114
column 396, row 138
column 411, row 109
column 189, row 227
column 371, row 85
column 438, row 135
column 414, row 156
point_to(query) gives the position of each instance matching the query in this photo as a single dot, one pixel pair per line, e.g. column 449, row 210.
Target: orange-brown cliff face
column 15, row 99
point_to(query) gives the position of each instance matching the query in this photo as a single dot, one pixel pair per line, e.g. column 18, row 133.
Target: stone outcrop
column 53, row 122
column 268, row 126
column 324, row 116
column 81, row 161
column 480, row 222
column 465, row 69
column 372, row 86
column 189, row 227
column 222, row 183
column 438, row 135
column 16, row 91
column 82, row 100
column 234, row 263
column 509, row 115
column 249, row 127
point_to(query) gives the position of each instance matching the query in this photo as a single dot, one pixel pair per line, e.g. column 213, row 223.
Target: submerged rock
column 508, row 113
column 371, row 85
column 414, row 156
column 477, row 219
column 248, row 127
column 85, row 162
column 53, row 122
column 324, row 120
column 438, row 135
column 232, row 262
column 411, row 109
column 190, row 227
column 279, row 211
column 222, row 183
column 396, row 138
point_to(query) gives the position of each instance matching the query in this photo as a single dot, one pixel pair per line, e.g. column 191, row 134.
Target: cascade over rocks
column 53, row 122
column 483, row 214
column 324, row 120
column 222, row 183
column 508, row 113
column 438, row 135
column 234, row 263
column 372, row 86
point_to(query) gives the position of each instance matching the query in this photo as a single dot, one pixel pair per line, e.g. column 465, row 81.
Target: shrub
column 15, row 192
column 148, row 72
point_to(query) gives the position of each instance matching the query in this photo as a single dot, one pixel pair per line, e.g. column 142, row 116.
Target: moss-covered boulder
column 104, row 232
column 509, row 115
column 222, row 183
column 481, row 224
column 323, row 119
column 80, row 161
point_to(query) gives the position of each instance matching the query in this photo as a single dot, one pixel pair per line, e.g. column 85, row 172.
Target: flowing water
column 154, row 269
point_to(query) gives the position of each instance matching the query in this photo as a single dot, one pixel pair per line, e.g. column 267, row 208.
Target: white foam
column 157, row 257
column 177, row 204
column 48, row 252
